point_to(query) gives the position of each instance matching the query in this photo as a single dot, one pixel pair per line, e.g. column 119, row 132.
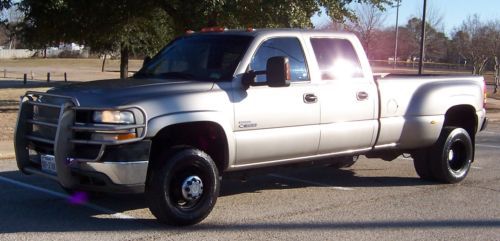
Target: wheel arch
column 201, row 130
column 463, row 116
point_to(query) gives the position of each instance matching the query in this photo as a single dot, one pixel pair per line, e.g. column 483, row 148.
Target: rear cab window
column 337, row 58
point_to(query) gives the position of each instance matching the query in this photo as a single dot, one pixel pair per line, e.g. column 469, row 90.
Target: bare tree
column 433, row 17
column 495, row 35
column 12, row 18
column 496, row 74
column 476, row 42
column 367, row 25
column 334, row 25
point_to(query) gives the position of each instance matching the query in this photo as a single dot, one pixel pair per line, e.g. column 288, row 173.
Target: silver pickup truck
column 221, row 101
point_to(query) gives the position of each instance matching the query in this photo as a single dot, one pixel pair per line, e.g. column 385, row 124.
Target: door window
column 288, row 47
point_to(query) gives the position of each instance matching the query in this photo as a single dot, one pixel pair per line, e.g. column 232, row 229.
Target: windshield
column 198, row 57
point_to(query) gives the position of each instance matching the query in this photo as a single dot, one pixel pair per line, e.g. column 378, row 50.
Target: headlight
column 114, row 117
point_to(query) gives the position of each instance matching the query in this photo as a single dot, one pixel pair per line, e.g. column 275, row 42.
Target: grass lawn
column 111, row 64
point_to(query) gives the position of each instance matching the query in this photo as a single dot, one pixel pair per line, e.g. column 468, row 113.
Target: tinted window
column 336, row 58
column 198, row 57
column 288, row 47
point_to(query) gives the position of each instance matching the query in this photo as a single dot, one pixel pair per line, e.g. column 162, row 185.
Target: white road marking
column 478, row 168
column 490, row 146
column 310, row 182
column 490, row 132
column 66, row 197
column 405, row 158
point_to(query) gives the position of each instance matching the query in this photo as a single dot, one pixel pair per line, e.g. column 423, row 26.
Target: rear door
column 348, row 98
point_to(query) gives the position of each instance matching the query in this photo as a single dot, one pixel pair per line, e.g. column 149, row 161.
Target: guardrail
column 49, row 76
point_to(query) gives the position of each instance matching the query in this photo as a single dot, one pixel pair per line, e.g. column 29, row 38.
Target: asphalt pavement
column 373, row 200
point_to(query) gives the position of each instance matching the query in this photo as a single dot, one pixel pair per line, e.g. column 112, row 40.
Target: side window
column 336, row 58
column 289, row 47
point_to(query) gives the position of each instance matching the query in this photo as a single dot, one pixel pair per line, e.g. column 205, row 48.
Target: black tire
column 174, row 171
column 343, row 162
column 451, row 156
column 421, row 162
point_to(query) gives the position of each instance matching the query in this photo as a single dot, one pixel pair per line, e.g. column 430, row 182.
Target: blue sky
column 452, row 11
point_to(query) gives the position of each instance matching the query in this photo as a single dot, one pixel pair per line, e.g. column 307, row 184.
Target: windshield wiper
column 167, row 75
column 176, row 75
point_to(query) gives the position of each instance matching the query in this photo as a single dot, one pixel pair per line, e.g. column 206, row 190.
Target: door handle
column 310, row 98
column 362, row 95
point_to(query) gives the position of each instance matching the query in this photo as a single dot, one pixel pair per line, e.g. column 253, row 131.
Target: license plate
column 48, row 163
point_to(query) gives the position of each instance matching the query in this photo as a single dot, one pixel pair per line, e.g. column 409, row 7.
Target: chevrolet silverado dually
column 219, row 101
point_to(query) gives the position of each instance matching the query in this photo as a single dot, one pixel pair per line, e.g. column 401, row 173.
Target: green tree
column 5, row 4
column 107, row 26
column 130, row 25
column 195, row 14
column 435, row 41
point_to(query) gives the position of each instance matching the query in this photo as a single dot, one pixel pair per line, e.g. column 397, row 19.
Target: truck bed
column 412, row 107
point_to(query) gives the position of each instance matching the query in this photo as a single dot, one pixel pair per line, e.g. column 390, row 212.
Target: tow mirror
column 278, row 71
column 277, row 74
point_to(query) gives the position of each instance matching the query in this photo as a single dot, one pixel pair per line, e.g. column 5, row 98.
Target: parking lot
column 372, row 200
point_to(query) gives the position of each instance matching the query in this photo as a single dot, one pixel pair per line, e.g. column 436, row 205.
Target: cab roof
column 269, row 31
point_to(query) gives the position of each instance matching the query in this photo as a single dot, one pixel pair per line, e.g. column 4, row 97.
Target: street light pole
column 422, row 41
column 396, row 39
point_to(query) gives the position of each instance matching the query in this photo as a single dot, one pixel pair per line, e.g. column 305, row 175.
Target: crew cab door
column 277, row 123
column 348, row 97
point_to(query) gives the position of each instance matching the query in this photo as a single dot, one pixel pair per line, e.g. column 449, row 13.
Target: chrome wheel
column 457, row 158
column 192, row 188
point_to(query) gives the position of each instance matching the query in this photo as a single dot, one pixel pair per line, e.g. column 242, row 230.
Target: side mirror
column 248, row 79
column 278, row 71
column 277, row 74
column 146, row 60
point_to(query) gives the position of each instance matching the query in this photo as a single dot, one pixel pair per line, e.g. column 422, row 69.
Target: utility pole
column 396, row 39
column 422, row 41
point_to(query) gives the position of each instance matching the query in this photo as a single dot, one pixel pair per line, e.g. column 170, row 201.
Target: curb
column 7, row 150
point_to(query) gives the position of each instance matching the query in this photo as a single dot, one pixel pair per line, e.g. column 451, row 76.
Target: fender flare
column 156, row 124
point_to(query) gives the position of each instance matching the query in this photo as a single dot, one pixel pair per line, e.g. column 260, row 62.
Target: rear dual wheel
column 449, row 160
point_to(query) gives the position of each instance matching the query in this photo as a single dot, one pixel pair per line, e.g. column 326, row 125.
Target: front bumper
column 482, row 120
column 484, row 125
column 80, row 162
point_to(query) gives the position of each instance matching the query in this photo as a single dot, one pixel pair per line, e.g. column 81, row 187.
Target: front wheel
column 451, row 156
column 183, row 187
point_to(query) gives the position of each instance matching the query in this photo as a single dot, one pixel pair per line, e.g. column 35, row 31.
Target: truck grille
column 56, row 125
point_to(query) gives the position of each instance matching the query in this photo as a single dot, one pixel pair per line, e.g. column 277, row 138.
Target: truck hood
column 116, row 92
